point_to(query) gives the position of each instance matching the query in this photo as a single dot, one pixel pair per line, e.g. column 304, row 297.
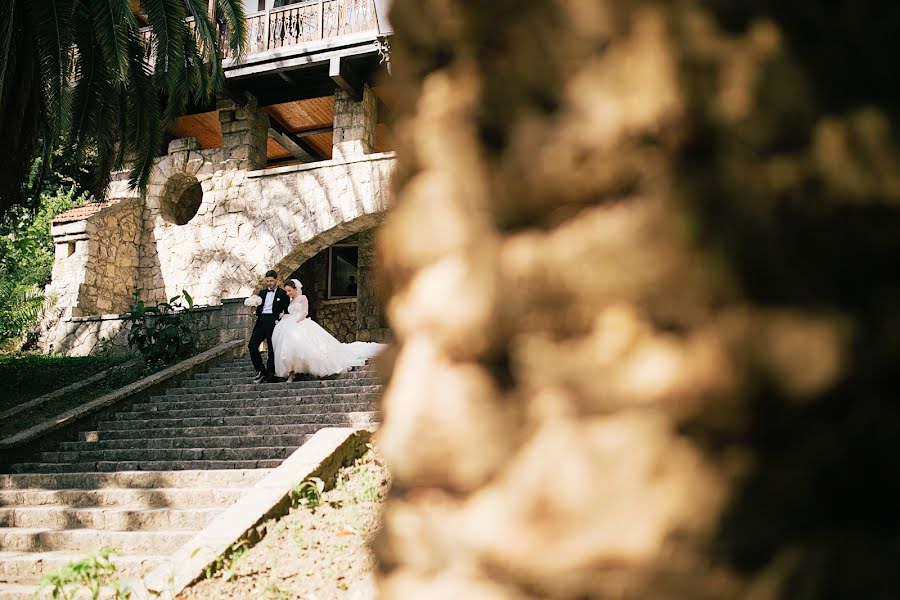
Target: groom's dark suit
column 265, row 324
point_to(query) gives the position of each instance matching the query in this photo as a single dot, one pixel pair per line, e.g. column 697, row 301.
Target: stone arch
column 308, row 249
column 181, row 199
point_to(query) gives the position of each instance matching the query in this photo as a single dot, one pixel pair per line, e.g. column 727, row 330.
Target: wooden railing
column 307, row 22
column 297, row 24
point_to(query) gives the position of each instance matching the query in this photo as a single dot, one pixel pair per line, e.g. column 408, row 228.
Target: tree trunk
column 642, row 275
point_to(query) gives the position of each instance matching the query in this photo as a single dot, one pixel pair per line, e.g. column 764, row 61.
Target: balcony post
column 268, row 16
column 321, row 19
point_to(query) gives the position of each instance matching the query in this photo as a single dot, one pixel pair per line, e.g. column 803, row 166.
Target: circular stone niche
column 181, row 199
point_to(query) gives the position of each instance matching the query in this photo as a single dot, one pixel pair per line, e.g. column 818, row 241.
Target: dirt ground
column 314, row 553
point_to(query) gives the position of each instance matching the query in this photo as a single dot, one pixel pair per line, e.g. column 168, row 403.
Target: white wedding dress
column 304, row 346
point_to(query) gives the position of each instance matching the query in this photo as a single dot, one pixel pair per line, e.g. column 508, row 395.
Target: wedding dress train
column 303, row 346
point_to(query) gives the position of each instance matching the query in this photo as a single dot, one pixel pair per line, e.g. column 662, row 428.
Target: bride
column 303, row 346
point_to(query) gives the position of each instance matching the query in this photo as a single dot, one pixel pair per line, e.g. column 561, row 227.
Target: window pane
column 343, row 271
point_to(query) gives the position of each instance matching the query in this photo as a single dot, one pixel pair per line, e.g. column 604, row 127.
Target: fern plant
column 20, row 306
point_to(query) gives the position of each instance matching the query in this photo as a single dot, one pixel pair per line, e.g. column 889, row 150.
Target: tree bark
column 642, row 276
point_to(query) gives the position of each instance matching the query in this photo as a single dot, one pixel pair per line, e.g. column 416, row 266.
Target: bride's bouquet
column 253, row 301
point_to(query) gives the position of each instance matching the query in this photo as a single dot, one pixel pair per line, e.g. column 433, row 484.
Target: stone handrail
column 23, row 443
column 69, row 389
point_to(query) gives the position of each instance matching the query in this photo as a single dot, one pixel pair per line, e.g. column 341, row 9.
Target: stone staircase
column 149, row 479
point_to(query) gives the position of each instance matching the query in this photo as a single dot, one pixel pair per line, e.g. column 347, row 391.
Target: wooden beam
column 298, row 147
column 344, row 77
column 316, row 131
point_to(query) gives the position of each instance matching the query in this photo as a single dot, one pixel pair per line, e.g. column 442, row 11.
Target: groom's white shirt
column 267, row 305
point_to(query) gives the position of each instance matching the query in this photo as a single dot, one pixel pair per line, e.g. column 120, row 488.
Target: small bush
column 89, row 573
column 309, row 493
column 164, row 332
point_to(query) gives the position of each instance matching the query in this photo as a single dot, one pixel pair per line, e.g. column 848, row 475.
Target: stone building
column 289, row 172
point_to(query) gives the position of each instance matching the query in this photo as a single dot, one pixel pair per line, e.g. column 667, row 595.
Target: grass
column 319, row 550
column 27, row 376
column 24, row 376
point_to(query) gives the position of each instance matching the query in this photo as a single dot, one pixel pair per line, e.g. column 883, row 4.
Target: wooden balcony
column 302, row 25
column 308, row 22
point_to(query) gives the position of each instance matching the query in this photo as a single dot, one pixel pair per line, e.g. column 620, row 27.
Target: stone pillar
column 245, row 132
column 237, row 322
column 370, row 322
column 354, row 124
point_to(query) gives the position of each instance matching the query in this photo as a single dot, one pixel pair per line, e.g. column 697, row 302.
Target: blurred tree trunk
column 643, row 276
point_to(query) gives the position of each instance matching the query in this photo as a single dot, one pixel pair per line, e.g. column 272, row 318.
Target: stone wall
column 114, row 250
column 81, row 336
column 339, row 318
column 370, row 325
column 354, row 124
column 249, row 222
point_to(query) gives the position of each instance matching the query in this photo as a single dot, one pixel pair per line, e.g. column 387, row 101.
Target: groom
column 274, row 304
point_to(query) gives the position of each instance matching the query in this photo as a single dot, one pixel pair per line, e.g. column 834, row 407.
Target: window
column 71, row 248
column 343, row 261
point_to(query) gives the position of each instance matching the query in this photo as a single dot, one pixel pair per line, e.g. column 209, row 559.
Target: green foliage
column 85, row 74
column 164, row 332
column 26, row 257
column 226, row 563
column 309, row 493
column 20, row 307
column 87, row 574
column 26, row 376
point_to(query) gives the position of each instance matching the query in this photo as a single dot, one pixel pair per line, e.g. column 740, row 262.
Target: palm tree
column 83, row 74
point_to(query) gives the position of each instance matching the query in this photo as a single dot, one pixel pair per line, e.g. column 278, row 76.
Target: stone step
column 270, row 399
column 215, row 431
column 245, row 362
column 30, row 567
column 107, row 518
column 248, row 371
column 22, row 591
column 232, row 441
column 132, row 498
column 168, row 454
column 316, row 405
column 244, row 410
column 141, row 480
column 18, row 591
column 24, row 539
column 274, row 393
column 250, row 387
column 282, row 388
column 153, row 466
column 323, row 420
column 224, row 379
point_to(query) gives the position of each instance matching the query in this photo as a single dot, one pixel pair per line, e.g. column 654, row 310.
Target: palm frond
column 206, row 39
column 111, row 21
column 52, row 22
column 21, row 105
column 167, row 18
column 233, row 13
column 142, row 132
column 92, row 84
column 7, row 23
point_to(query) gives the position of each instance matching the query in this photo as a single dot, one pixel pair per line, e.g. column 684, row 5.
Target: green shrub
column 164, row 332
column 26, row 261
column 89, row 573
